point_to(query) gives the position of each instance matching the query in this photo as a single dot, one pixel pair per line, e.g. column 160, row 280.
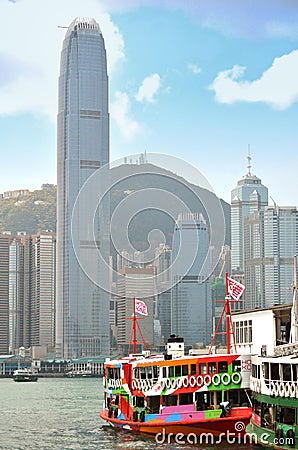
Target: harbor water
column 62, row 413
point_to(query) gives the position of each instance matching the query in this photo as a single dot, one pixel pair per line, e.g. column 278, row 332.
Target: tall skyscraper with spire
column 249, row 196
column 82, row 308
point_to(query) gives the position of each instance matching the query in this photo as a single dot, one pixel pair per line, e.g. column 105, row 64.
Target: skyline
column 230, row 75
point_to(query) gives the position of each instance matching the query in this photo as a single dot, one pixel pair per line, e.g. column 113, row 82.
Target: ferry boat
column 177, row 393
column 274, row 387
column 24, row 375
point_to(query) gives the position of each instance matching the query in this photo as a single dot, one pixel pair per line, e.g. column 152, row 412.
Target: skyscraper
column 248, row 196
column 191, row 294
column 271, row 241
column 82, row 311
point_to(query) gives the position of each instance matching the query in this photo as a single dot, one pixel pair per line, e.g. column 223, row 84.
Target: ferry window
column 265, row 367
column 256, row 407
column 155, row 371
column 164, row 372
column 149, row 372
column 274, row 371
column 222, row 366
column 153, row 403
column 169, row 400
column 286, row 415
column 212, row 367
column 193, row 369
column 294, row 372
column 255, row 371
column 236, row 366
column 139, row 402
column 185, row 369
column 177, row 371
column 286, row 372
column 171, row 371
column 203, row 368
column 142, row 373
column 185, row 399
column 137, row 372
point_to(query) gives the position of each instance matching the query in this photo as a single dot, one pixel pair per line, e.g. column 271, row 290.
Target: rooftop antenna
column 248, row 161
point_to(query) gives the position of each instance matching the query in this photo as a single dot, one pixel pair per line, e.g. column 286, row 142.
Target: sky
column 202, row 80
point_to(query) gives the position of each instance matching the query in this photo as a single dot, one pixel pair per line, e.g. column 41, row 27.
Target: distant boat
column 79, row 373
column 24, row 375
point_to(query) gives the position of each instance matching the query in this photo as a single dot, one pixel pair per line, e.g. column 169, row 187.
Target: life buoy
column 135, row 416
column 134, row 384
column 142, row 416
column 169, row 383
column 162, row 384
column 112, row 382
column 207, row 380
column 216, row 380
column 192, row 381
column 185, row 382
column 200, row 380
column 117, row 383
column 174, row 383
column 179, row 383
column 225, row 379
column 290, row 437
column 236, row 377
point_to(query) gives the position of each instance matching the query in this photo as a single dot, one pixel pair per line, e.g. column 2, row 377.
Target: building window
column 243, row 332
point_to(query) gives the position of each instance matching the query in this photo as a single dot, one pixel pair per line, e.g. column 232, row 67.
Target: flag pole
column 134, row 326
column 228, row 317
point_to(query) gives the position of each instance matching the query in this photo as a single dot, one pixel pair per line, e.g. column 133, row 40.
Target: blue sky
column 200, row 80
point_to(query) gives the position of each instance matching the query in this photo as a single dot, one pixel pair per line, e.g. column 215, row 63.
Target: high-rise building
column 82, row 311
column 248, row 196
column 45, row 257
column 191, row 294
column 271, row 241
column 136, row 282
column 27, row 271
column 4, row 294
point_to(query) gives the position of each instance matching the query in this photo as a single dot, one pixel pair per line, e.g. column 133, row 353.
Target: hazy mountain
column 36, row 211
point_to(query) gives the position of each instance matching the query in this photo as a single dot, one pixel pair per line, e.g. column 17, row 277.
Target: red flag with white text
column 235, row 289
column 141, row 307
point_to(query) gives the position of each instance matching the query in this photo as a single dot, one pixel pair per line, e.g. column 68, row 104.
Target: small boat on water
column 25, row 375
column 173, row 393
column 274, row 388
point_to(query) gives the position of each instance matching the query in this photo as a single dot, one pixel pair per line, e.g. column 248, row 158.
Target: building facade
column 140, row 283
column 82, row 312
column 271, row 241
column 27, row 293
column 249, row 196
column 191, row 291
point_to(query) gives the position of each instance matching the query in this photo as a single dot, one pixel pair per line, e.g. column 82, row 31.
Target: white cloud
column 149, row 88
column 120, row 112
column 194, row 68
column 31, row 41
column 277, row 86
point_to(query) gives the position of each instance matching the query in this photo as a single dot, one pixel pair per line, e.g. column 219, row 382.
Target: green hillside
column 31, row 213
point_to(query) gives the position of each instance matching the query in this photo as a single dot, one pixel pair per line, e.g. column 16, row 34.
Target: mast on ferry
column 294, row 314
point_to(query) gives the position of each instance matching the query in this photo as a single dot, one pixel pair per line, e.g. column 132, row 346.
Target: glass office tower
column 191, row 292
column 82, row 308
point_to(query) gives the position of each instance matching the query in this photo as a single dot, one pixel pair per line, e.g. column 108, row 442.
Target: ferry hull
column 217, row 429
column 267, row 438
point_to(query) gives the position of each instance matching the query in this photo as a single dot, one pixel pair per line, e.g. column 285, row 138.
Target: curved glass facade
column 82, row 309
